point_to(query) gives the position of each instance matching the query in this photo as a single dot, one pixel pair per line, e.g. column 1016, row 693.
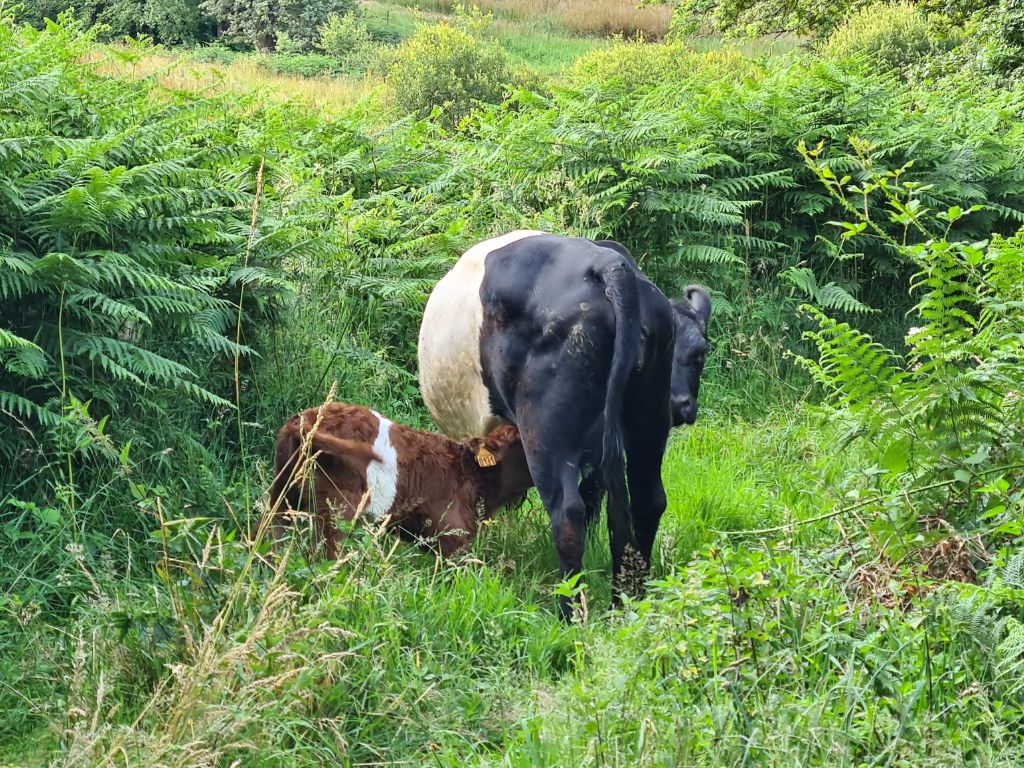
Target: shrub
column 347, row 39
column 446, row 66
column 634, row 65
column 214, row 53
column 124, row 251
column 890, row 36
column 757, row 17
column 299, row 64
column 1001, row 36
column 945, row 417
column 286, row 46
column 174, row 22
column 342, row 36
column 168, row 21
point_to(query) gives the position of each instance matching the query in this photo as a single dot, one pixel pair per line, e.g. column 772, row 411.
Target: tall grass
column 582, row 17
column 180, row 73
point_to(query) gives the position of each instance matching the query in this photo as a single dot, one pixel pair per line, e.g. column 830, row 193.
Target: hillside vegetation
column 194, row 247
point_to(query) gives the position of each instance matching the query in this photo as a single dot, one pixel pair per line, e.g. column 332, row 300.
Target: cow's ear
column 700, row 302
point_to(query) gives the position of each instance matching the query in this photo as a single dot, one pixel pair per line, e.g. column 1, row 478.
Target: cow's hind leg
column 557, row 479
column 647, row 502
column 592, row 493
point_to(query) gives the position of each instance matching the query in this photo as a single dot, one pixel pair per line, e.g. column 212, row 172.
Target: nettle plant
column 947, row 413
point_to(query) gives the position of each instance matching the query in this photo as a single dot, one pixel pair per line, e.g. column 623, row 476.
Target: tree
column 171, row 22
column 259, row 22
column 761, row 17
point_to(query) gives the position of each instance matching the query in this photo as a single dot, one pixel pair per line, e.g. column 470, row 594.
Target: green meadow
column 203, row 232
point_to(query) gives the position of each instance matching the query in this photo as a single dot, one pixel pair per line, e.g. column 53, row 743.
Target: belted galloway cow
column 566, row 339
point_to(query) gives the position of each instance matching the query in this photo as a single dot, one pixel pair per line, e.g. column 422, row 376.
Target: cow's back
column 450, row 371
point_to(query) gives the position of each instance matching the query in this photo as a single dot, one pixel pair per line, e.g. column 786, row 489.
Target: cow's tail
column 352, row 454
column 623, row 294
column 286, row 466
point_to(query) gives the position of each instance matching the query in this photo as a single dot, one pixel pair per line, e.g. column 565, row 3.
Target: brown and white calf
column 427, row 485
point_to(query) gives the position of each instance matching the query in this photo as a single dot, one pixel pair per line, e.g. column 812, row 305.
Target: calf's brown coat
column 442, row 488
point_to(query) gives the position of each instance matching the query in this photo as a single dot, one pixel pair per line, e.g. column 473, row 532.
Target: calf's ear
column 483, row 455
column 492, row 449
column 700, row 301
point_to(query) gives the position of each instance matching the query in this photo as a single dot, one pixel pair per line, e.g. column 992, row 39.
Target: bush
column 347, row 39
column 171, row 22
column 261, row 22
column 635, row 65
column 756, row 18
column 1001, row 36
column 299, row 64
column 946, row 416
column 215, row 53
column 342, row 36
column 286, row 46
column 446, row 66
column 891, row 36
column 125, row 251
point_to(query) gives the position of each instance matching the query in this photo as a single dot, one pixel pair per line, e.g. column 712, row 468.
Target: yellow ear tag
column 485, row 458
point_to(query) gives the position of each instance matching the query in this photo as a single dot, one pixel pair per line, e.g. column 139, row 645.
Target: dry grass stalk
column 582, row 17
column 200, row 714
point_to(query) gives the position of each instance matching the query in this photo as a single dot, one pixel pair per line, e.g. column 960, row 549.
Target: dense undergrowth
column 838, row 580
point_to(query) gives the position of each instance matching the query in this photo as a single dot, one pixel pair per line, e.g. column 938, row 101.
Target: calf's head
column 690, row 315
column 501, row 468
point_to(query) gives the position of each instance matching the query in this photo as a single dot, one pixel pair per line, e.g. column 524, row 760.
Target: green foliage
column 215, row 53
column 121, row 239
column 172, row 22
column 946, row 417
column 449, row 67
column 176, row 22
column 891, row 36
column 637, row 65
column 347, row 39
column 300, row 64
column 759, row 17
column 999, row 37
column 132, row 283
column 728, row 651
column 139, row 623
column 259, row 22
column 388, row 24
column 342, row 36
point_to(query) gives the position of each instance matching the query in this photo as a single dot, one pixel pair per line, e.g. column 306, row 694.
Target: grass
column 543, row 52
column 599, row 18
column 392, row 656
column 243, row 74
column 388, row 22
column 543, row 48
column 453, row 655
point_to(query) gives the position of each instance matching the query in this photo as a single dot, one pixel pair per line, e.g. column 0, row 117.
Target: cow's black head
column 691, row 317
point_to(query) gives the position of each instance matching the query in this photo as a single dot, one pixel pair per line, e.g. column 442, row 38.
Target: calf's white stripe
column 382, row 476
